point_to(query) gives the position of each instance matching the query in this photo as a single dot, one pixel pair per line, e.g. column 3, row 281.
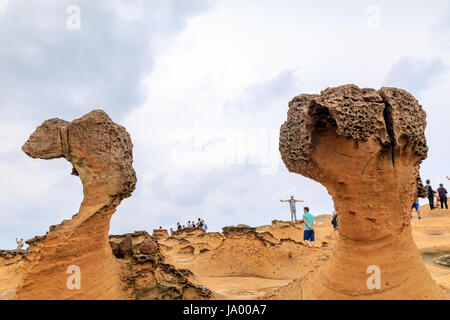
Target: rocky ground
column 266, row 262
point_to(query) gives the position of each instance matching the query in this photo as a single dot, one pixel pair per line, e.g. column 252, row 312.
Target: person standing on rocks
column 334, row 221
column 430, row 194
column 178, row 226
column 416, row 206
column 292, row 202
column 308, row 234
column 442, row 196
column 19, row 245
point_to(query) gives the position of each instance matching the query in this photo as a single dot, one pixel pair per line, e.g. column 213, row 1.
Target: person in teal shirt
column 308, row 234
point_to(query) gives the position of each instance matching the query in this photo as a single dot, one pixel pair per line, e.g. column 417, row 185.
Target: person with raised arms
column 292, row 203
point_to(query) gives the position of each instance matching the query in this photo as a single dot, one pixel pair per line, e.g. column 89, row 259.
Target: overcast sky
column 202, row 87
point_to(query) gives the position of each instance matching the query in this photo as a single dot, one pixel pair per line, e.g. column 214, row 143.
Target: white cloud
column 3, row 7
column 223, row 72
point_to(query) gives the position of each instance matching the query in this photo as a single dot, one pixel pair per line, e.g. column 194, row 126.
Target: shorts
column 308, row 235
column 415, row 206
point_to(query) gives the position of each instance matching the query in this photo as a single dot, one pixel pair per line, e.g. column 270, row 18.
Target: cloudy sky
column 202, row 86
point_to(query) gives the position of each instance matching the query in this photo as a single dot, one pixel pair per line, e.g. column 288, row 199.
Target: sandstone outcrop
column 159, row 234
column 147, row 275
column 100, row 152
column 148, row 246
column 365, row 146
column 245, row 252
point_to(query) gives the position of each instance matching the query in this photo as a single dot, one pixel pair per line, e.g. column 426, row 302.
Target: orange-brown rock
column 365, row 146
column 159, row 234
column 148, row 246
column 247, row 252
column 100, row 152
column 147, row 275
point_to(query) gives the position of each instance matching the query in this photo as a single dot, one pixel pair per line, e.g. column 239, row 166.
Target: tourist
column 178, row 226
column 292, row 202
column 416, row 206
column 189, row 224
column 19, row 245
column 171, row 231
column 430, row 194
column 204, row 226
column 308, row 234
column 442, row 196
column 199, row 223
column 334, row 221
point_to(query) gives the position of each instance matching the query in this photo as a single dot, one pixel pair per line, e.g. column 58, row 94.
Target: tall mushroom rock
column 365, row 147
column 100, row 152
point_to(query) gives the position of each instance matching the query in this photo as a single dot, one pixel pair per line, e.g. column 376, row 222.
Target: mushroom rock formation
column 100, row 152
column 365, row 146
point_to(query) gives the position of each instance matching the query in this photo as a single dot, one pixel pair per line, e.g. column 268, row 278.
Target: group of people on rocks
column 441, row 195
column 191, row 224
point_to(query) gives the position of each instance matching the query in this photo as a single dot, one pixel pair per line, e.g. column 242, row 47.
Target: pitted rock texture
column 147, row 275
column 100, row 152
column 365, row 146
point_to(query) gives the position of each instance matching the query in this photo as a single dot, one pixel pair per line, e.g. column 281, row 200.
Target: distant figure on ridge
column 178, row 226
column 442, row 196
column 416, row 206
column 430, row 194
column 308, row 234
column 204, row 226
column 19, row 245
column 292, row 202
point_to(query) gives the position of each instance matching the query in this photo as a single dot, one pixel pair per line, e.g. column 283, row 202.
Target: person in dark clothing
column 442, row 196
column 430, row 194
column 334, row 221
